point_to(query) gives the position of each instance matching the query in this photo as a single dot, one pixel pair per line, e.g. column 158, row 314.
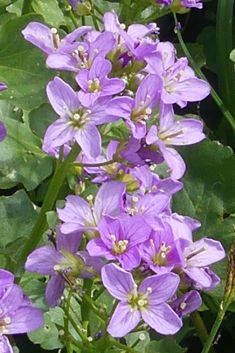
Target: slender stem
column 75, row 326
column 93, row 308
column 98, row 10
column 122, row 346
column 26, row 8
column 95, row 20
column 71, row 14
column 94, row 165
column 199, row 325
column 85, row 309
column 156, row 15
column 41, row 224
column 214, row 330
column 214, row 95
column 227, row 299
column 201, row 328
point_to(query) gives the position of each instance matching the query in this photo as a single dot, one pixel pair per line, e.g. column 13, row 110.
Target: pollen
column 53, row 30
column 183, row 305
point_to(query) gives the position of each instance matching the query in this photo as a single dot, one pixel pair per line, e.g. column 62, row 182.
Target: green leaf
column 207, row 38
column 17, row 217
column 47, row 336
column 232, row 55
column 166, row 345
column 141, row 336
column 196, row 50
column 21, row 157
column 49, row 10
column 35, row 289
column 40, row 118
column 8, row 110
column 22, row 66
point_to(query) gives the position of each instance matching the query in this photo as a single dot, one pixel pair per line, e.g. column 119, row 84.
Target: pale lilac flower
column 186, row 303
column 106, row 172
column 135, row 42
column 83, row 56
column 179, row 82
column 164, row 2
column 94, row 83
column 161, row 251
column 136, row 112
column 3, row 86
column 81, row 215
column 63, row 264
column 147, row 302
column 149, row 206
column 169, row 133
column 3, row 131
column 73, row 3
column 192, row 3
column 76, row 121
column 151, row 183
column 17, row 315
column 48, row 40
column 119, row 240
column 198, row 256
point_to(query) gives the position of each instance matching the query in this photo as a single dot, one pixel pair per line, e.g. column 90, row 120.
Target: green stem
column 71, row 14
column 85, row 309
column 122, row 346
column 214, row 95
column 26, row 8
column 156, row 15
column 75, row 326
column 98, row 10
column 94, row 165
column 214, row 330
column 41, row 224
column 201, row 328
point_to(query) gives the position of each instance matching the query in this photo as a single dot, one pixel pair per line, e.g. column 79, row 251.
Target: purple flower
column 187, row 303
column 149, row 206
column 16, row 313
column 3, row 86
column 179, row 82
column 192, row 3
column 94, row 45
column 180, row 133
column 3, row 131
column 164, row 2
column 81, row 215
column 76, row 121
column 48, row 40
column 198, row 256
column 161, row 251
column 136, row 112
column 106, row 172
column 63, row 264
column 94, row 83
column 147, row 302
column 73, row 3
column 119, row 240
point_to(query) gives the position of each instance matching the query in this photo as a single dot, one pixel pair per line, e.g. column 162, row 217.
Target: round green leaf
column 21, row 157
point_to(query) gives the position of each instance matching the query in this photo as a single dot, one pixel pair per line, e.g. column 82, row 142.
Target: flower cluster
column 180, row 4
column 17, row 315
column 144, row 253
